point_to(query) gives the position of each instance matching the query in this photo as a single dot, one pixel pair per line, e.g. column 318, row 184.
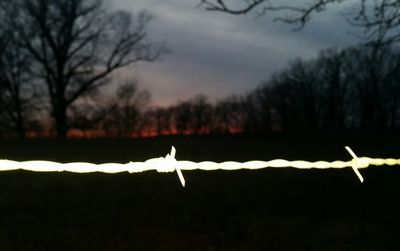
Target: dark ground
column 270, row 209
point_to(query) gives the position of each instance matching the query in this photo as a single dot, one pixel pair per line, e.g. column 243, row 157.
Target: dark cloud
column 217, row 54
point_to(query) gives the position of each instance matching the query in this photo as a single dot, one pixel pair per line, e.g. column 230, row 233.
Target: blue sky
column 217, row 55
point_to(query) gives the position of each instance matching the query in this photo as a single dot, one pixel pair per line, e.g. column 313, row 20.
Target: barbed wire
column 170, row 164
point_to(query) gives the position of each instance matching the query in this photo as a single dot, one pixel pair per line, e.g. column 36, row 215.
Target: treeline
column 356, row 87
column 352, row 88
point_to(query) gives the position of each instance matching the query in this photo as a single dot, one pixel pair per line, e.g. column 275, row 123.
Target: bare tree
column 333, row 89
column 164, row 121
column 183, row 117
column 373, row 76
column 259, row 109
column 158, row 121
column 201, row 114
column 87, row 115
column 78, row 44
column 230, row 115
column 193, row 116
column 380, row 19
column 121, row 116
column 16, row 92
column 354, row 87
column 289, row 100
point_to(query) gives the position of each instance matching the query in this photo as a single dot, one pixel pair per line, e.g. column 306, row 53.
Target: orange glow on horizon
column 145, row 133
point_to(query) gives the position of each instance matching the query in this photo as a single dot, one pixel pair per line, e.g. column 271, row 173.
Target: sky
column 217, row 54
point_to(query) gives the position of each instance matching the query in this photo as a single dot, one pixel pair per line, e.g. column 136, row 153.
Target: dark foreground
column 269, row 209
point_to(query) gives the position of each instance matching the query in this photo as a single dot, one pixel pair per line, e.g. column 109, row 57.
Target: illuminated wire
column 170, row 164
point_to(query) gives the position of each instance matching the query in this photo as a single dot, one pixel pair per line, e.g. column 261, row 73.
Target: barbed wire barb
column 356, row 164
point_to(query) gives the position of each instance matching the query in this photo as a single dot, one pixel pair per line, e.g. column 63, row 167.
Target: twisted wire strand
column 170, row 164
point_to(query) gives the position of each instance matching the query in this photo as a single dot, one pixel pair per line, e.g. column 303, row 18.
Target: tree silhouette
column 229, row 115
column 333, row 89
column 158, row 121
column 76, row 45
column 380, row 20
column 16, row 89
column 356, row 87
column 374, row 78
column 122, row 116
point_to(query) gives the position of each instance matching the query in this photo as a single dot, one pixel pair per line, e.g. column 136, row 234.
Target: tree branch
column 220, row 6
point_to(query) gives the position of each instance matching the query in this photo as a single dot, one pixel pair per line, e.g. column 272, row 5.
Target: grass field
column 269, row 209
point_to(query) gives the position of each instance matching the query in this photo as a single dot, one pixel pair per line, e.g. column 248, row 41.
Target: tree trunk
column 20, row 127
column 60, row 119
